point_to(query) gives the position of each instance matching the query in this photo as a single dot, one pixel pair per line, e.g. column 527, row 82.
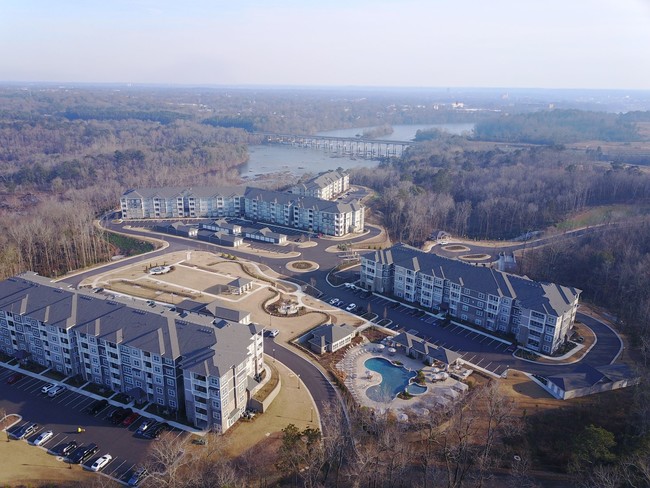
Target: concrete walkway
column 293, row 405
column 440, row 392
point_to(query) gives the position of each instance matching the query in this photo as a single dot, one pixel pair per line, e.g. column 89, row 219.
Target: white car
column 47, row 388
column 334, row 301
column 273, row 332
column 351, row 307
column 43, row 438
column 56, row 390
column 101, row 462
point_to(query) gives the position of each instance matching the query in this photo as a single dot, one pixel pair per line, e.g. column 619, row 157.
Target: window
column 126, row 369
column 172, row 403
column 171, row 392
column 159, row 390
column 170, row 382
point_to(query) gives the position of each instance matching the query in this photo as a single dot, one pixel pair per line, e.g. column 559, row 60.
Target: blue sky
column 420, row 43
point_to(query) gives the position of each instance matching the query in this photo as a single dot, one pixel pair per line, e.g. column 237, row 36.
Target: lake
column 295, row 161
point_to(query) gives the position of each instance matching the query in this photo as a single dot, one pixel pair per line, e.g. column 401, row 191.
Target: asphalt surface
column 474, row 347
column 64, row 414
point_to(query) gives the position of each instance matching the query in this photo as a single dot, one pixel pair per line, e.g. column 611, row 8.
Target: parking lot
column 479, row 349
column 65, row 415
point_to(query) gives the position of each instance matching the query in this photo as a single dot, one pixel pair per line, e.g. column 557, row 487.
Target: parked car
column 155, row 432
column 138, row 475
column 43, row 437
column 120, row 414
column 56, row 390
column 14, row 378
column 68, row 448
column 97, row 406
column 351, row 308
column 146, row 425
column 101, row 462
column 273, row 332
column 334, row 301
column 130, row 419
column 83, row 453
column 24, row 431
column 46, row 389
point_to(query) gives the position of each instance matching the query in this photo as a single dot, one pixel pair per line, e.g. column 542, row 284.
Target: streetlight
column 299, row 382
column 274, row 354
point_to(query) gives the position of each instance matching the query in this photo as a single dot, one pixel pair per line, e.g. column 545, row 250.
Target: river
column 292, row 162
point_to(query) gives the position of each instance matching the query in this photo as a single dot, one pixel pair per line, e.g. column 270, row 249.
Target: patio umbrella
column 392, row 350
column 381, row 347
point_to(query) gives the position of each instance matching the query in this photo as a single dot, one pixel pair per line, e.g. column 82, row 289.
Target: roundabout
column 302, row 266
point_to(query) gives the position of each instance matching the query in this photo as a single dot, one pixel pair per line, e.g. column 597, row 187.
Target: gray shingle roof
column 586, row 376
column 153, row 329
column 548, row 298
column 322, row 180
column 330, row 333
column 301, row 201
column 176, row 191
column 426, row 348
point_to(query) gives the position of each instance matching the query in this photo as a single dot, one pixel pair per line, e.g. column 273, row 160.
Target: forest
column 67, row 154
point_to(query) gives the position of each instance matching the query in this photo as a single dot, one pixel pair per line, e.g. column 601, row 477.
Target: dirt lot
column 25, row 465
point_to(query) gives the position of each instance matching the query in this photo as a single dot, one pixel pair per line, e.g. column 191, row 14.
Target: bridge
column 342, row 146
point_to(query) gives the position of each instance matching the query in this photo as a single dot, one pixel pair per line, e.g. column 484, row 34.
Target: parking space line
column 111, row 464
column 487, row 366
column 471, row 359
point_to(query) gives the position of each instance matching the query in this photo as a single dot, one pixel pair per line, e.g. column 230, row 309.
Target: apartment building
column 194, row 363
column 178, row 202
column 540, row 315
column 308, row 213
column 273, row 207
column 326, row 185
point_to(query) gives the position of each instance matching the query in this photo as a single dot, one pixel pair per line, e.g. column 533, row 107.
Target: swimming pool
column 394, row 379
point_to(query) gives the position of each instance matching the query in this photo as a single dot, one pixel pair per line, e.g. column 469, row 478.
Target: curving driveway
column 475, row 348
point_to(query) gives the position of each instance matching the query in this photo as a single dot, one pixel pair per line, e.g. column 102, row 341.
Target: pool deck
column 439, row 394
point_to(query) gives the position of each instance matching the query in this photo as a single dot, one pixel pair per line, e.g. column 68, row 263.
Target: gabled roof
column 548, row 298
column 586, row 376
column 322, row 180
column 179, row 191
column 330, row 333
column 426, row 348
column 156, row 329
column 307, row 202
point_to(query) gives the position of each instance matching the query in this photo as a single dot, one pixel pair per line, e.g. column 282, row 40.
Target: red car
column 131, row 418
column 14, row 378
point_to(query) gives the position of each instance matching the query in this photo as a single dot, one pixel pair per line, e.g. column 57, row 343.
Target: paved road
column 474, row 347
column 65, row 413
column 319, row 387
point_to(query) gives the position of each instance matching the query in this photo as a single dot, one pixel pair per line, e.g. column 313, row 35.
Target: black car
column 97, row 406
column 120, row 414
column 24, row 431
column 137, row 476
column 68, row 448
column 155, row 432
column 83, row 453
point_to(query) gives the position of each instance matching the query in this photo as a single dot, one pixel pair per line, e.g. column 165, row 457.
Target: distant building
column 178, row 202
column 540, row 315
column 326, row 185
column 188, row 362
column 265, row 235
column 283, row 209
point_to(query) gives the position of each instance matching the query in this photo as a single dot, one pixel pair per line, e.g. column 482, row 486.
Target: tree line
column 493, row 192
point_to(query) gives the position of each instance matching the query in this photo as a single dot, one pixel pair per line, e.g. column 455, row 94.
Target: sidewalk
column 293, row 405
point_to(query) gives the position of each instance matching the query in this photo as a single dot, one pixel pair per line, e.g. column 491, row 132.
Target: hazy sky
column 420, row 43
